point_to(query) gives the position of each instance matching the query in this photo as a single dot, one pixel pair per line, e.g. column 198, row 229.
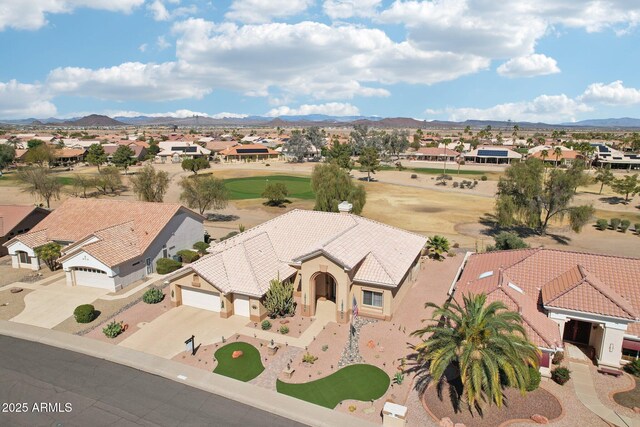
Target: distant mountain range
column 96, row 120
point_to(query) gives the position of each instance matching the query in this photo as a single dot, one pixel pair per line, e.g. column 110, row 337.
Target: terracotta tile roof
column 12, row 215
column 68, row 152
column 115, row 222
column 233, row 151
column 246, row 263
column 551, row 156
column 434, row 151
column 216, row 146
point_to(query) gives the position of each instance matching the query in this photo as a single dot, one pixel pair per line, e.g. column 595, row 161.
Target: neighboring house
column 217, row 146
column 109, row 243
column 176, row 151
column 16, row 220
column 588, row 299
column 248, row 152
column 68, row 156
column 140, row 152
column 608, row 156
column 433, row 154
column 333, row 256
column 566, row 157
column 493, row 155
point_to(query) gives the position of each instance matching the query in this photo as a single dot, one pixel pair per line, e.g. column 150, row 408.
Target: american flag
column 354, row 309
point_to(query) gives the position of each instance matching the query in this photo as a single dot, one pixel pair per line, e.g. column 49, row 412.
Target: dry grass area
column 11, row 304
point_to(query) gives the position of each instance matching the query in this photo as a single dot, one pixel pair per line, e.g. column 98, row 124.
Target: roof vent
column 515, row 287
column 345, row 207
column 486, row 274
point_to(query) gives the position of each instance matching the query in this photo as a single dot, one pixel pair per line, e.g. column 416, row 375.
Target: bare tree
column 41, row 183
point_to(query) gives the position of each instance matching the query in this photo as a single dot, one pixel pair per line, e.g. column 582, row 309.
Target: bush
column 309, row 358
column 266, row 325
column 615, row 223
column 398, row 378
column 84, row 313
column 534, row 379
column 152, row 296
column 278, row 300
column 228, row 236
column 624, row 225
column 483, row 178
column 113, row 329
column 637, row 227
column 602, row 224
column 455, row 185
column 201, row 247
column 633, row 368
column 507, row 240
column 188, row 256
column 558, row 358
column 284, row 330
column 167, row 265
column 325, row 347
column 561, row 375
column 414, row 176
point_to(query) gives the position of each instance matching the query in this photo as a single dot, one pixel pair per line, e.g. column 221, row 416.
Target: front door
column 577, row 331
column 149, row 266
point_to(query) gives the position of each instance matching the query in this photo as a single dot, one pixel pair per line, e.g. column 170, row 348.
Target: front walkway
column 586, row 391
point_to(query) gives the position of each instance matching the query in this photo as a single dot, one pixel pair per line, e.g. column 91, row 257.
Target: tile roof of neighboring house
column 233, row 151
column 494, row 151
column 124, row 228
column 216, row 146
column 599, row 284
column 551, row 156
column 378, row 253
column 12, row 215
column 437, row 151
column 64, row 153
column 110, row 149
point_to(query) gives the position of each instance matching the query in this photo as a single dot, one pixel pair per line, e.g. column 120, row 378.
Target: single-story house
column 16, row 220
column 494, row 155
column 334, row 256
column 140, row 152
column 176, row 151
column 547, row 154
column 615, row 159
column 68, row 156
column 433, row 154
column 109, row 243
column 590, row 300
column 248, row 152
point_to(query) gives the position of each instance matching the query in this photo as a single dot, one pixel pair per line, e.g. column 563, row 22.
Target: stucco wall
column 21, row 247
column 22, row 227
column 323, row 264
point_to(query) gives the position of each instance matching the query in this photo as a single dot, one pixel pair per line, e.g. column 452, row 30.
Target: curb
column 263, row 399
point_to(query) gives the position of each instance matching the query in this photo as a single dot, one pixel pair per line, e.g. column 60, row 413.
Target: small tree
column 204, row 193
column 298, row 146
column 96, row 155
column 629, row 185
column 150, row 185
column 615, row 223
column 369, row 162
column 438, row 246
column 82, row 182
column 41, row 183
column 7, row 156
column 279, row 299
column 49, row 254
column 624, row 225
column 40, row 154
column 340, row 154
column 332, row 185
column 602, row 224
column 194, row 165
column 507, row 240
column 604, row 176
column 108, row 180
column 123, row 157
column 276, row 193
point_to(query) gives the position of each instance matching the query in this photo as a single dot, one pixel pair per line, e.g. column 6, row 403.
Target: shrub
column 558, row 358
column 633, row 368
column 483, row 178
column 284, row 330
column 602, row 224
column 398, row 378
column 561, row 375
column 507, row 240
column 451, row 254
column 352, row 408
column 84, row 313
column 279, row 300
column 455, row 185
column 228, row 236
column 615, row 223
column 637, row 227
column 201, row 247
column 624, row 225
column 266, row 325
column 113, row 329
column 534, row 379
column 267, row 164
column 152, row 296
column 414, row 176
column 309, row 358
column 188, row 256
column 167, row 265
column 325, row 347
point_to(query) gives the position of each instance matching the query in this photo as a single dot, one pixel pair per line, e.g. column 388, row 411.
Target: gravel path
column 269, row 376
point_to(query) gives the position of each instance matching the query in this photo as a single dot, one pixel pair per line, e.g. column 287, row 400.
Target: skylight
column 517, row 288
column 486, row 274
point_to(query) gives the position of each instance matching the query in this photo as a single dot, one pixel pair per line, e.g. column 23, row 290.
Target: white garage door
column 93, row 278
column 241, row 305
column 201, row 299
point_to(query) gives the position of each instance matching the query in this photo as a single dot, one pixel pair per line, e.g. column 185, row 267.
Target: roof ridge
column 524, row 318
column 379, row 262
column 261, row 225
column 606, row 291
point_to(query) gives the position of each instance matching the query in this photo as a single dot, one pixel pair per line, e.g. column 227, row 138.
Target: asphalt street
column 47, row 386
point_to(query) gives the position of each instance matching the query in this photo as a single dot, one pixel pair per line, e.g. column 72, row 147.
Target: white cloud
column 19, row 100
column 529, row 66
column 329, row 109
column 612, row 94
column 159, row 11
column 31, row 14
column 544, row 108
column 142, row 47
column 178, row 114
column 261, row 11
column 343, row 9
column 162, row 43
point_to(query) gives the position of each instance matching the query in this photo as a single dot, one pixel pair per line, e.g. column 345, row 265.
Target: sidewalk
column 266, row 400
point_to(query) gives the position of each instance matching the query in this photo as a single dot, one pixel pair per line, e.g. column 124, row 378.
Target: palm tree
column 438, row 246
column 557, row 152
column 484, row 343
column 604, row 176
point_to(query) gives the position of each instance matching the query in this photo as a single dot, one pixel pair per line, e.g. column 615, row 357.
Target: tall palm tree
column 438, row 246
column 485, row 343
column 557, row 152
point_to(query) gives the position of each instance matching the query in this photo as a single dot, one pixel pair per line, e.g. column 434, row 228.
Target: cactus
column 279, row 299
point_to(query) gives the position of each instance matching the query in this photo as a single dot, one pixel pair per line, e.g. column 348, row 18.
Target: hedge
column 167, row 265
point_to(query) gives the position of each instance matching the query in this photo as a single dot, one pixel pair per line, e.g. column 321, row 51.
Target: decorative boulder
column 446, row 422
column 16, row 290
column 636, row 410
column 540, row 419
column 371, row 344
column 236, row 354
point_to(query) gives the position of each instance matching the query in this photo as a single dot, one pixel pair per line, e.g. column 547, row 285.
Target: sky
column 537, row 60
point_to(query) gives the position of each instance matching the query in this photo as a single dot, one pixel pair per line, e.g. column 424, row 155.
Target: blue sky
column 540, row 60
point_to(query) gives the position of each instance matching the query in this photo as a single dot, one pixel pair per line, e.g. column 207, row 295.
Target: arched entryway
column 325, row 285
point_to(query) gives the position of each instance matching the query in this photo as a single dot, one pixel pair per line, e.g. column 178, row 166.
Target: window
column 630, row 355
column 89, row 270
column 371, row 298
column 24, row 257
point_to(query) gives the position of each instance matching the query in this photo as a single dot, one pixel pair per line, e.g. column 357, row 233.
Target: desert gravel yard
column 12, row 304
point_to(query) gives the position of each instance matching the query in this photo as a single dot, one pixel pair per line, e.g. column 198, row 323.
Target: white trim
column 609, row 321
column 457, row 276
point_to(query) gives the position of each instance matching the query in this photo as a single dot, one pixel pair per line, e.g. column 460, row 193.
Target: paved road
column 102, row 393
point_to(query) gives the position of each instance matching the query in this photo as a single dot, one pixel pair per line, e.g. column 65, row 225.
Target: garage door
column 93, row 278
column 201, row 299
column 241, row 305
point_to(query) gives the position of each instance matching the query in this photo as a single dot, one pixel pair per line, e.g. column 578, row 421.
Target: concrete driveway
column 165, row 336
column 49, row 305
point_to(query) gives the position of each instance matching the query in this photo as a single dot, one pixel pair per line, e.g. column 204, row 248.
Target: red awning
column 631, row 345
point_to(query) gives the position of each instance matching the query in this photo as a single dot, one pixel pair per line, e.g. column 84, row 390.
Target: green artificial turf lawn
column 358, row 382
column 244, row 368
column 252, row 187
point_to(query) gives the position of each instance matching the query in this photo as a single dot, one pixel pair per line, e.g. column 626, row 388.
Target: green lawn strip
column 244, row 368
column 252, row 187
column 452, row 169
column 66, row 180
column 357, row 382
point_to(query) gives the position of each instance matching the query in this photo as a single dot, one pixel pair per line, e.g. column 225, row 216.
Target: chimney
column 345, row 207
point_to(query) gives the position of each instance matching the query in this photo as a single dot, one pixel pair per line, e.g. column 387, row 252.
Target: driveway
column 165, row 336
column 49, row 305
